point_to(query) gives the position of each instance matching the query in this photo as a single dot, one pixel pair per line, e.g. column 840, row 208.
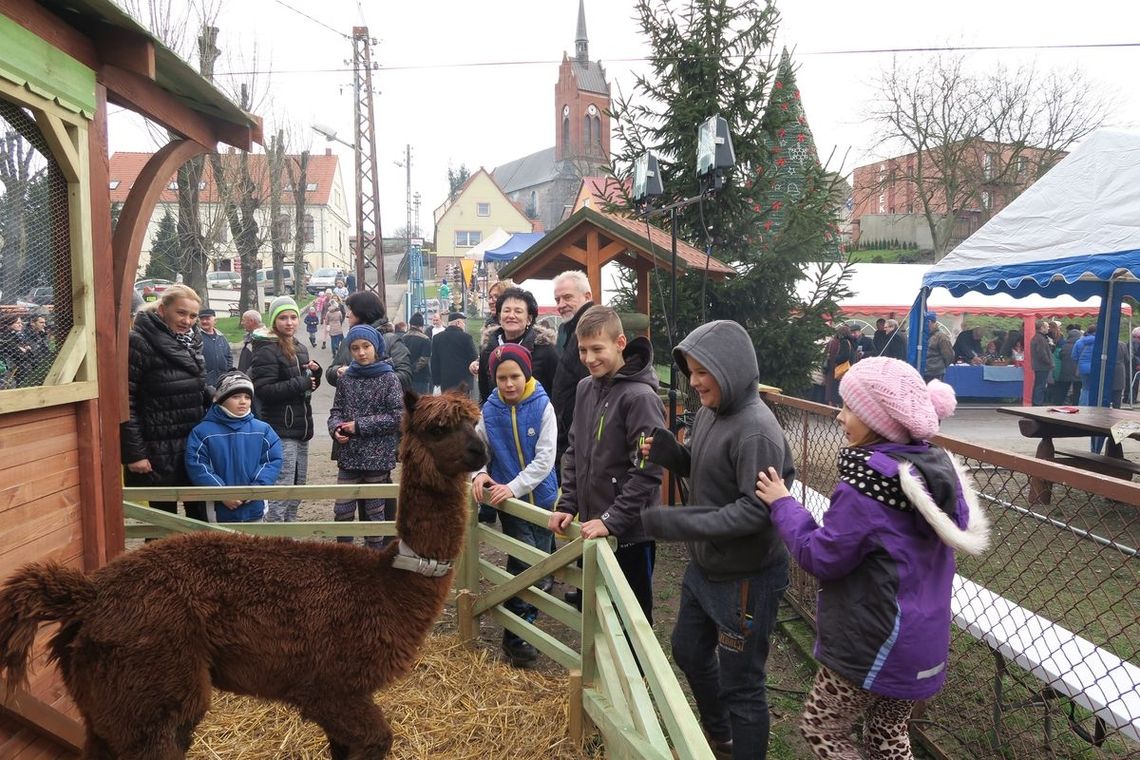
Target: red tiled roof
column 126, row 167
column 662, row 241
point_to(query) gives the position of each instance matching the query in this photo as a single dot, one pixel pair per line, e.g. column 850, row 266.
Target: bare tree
column 965, row 141
column 298, row 169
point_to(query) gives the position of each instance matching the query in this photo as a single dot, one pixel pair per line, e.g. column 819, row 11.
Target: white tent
column 1076, row 231
column 492, row 241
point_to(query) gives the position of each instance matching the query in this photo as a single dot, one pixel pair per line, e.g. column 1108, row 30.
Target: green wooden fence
column 620, row 683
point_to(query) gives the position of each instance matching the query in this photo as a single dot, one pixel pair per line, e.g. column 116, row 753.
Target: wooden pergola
column 589, row 239
column 61, row 63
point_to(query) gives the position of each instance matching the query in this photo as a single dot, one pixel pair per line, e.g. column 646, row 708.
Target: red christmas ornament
column 768, row 226
column 801, row 137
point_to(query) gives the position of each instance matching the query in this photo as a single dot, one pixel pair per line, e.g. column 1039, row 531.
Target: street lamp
column 329, row 134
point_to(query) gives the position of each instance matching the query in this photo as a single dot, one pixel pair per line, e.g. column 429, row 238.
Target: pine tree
column 716, row 58
column 164, row 249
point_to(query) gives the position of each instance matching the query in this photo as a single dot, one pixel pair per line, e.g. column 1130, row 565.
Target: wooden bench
column 1105, row 465
column 1066, row 663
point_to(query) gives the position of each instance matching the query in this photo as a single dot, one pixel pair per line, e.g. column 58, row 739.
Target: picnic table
column 1050, row 422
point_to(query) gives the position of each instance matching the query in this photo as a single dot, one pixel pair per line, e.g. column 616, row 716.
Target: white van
column 265, row 277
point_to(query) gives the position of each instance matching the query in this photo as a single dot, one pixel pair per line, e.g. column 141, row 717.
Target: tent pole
column 1106, row 341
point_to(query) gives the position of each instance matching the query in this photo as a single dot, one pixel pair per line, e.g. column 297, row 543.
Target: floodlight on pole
column 715, row 157
column 327, row 132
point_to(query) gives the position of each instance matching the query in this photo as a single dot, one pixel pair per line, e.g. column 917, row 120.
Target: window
column 565, row 135
column 1022, row 164
column 482, row 209
column 467, row 238
column 310, row 235
column 36, row 205
column 988, row 167
column 598, row 130
column 311, row 187
column 588, row 132
column 173, row 185
column 987, row 200
column 201, row 185
column 114, row 184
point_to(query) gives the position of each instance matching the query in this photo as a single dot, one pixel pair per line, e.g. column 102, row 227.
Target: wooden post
column 594, row 263
column 465, row 611
column 574, row 714
column 589, row 610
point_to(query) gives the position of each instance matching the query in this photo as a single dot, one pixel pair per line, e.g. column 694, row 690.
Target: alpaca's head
column 439, row 431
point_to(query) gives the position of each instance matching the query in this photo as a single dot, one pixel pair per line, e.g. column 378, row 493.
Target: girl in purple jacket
column 884, row 559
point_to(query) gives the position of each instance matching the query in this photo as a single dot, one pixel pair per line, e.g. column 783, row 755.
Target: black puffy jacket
column 281, row 386
column 166, row 381
column 538, row 340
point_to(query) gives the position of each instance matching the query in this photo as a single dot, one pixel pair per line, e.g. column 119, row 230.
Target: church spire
column 581, row 43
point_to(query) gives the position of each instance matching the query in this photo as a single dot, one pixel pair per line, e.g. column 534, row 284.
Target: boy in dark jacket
column 231, row 447
column 605, row 482
column 719, row 643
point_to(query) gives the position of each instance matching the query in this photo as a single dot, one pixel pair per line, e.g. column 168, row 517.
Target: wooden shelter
column 61, row 63
column 591, row 238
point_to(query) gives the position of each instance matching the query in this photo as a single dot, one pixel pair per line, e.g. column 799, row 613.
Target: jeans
column 334, row 343
column 532, row 535
column 1040, row 381
column 375, row 510
column 723, row 651
column 294, row 471
column 1084, row 397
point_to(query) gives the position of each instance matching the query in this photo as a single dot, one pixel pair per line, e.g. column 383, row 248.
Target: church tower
column 581, row 103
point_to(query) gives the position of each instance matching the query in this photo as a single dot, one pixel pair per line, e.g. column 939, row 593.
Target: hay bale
column 456, row 704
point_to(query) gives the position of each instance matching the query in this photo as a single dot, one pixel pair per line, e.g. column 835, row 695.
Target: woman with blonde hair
column 166, row 385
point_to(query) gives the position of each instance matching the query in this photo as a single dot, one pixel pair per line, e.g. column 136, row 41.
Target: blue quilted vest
column 512, row 432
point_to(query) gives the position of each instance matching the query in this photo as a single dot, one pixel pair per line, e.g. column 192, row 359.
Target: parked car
column 39, row 296
column 151, row 287
column 323, row 279
column 227, row 280
column 266, row 276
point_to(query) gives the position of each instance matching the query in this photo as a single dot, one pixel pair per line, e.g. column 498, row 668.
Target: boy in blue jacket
column 231, row 447
column 521, row 432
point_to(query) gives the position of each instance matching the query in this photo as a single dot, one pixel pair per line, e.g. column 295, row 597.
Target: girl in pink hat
column 884, row 559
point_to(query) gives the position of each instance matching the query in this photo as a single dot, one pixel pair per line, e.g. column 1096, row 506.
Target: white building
column 327, row 225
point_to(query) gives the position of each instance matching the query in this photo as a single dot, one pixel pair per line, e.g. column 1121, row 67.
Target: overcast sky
column 431, row 95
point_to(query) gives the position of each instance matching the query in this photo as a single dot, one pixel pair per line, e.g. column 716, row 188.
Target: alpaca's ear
column 410, row 399
column 462, row 389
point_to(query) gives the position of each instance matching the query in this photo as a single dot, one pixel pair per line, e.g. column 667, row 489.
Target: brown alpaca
column 321, row 626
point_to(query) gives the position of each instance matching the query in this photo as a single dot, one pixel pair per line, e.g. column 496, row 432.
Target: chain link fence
column 35, row 252
column 1045, row 651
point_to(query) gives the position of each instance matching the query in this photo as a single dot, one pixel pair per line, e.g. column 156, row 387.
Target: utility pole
column 406, row 165
column 369, row 237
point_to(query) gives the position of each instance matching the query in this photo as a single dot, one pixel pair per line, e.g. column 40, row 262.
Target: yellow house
column 478, row 209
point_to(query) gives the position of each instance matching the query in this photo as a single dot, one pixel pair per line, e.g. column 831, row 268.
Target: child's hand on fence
column 499, row 493
column 770, row 486
column 594, row 529
column 233, row 503
column 479, row 485
column 558, row 521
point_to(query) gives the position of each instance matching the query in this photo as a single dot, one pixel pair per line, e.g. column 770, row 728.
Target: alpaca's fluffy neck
column 431, row 520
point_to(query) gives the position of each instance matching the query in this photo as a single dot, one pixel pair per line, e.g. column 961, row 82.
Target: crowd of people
column 27, row 349
column 574, row 424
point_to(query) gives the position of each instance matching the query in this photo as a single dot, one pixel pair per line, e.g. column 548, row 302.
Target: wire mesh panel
column 35, row 252
column 1045, row 649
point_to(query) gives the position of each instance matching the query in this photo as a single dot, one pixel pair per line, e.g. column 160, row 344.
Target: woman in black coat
column 516, row 312
column 284, row 379
column 166, row 383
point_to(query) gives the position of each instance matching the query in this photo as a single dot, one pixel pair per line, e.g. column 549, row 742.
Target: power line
column 642, row 59
column 299, row 12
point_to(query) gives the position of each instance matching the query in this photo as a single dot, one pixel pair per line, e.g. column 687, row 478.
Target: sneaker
column 546, row 584
column 573, row 597
column 519, row 653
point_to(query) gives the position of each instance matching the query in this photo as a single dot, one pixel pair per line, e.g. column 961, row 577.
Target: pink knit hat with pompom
column 889, row 396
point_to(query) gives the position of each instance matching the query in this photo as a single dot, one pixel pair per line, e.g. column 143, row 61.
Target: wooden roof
column 620, row 238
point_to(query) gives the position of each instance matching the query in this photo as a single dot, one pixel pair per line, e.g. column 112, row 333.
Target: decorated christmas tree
column 791, row 173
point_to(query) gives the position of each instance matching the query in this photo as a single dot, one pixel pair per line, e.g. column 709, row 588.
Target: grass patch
column 890, row 256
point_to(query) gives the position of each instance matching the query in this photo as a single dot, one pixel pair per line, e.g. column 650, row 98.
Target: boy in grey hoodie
column 739, row 568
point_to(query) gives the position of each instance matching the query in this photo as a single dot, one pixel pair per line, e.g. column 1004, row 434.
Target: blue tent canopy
column 508, row 251
column 1076, row 232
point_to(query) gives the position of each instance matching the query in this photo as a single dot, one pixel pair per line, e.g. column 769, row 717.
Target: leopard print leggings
column 832, row 709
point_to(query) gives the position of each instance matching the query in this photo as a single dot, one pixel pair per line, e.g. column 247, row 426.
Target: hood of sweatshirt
column 724, row 348
column 638, row 367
